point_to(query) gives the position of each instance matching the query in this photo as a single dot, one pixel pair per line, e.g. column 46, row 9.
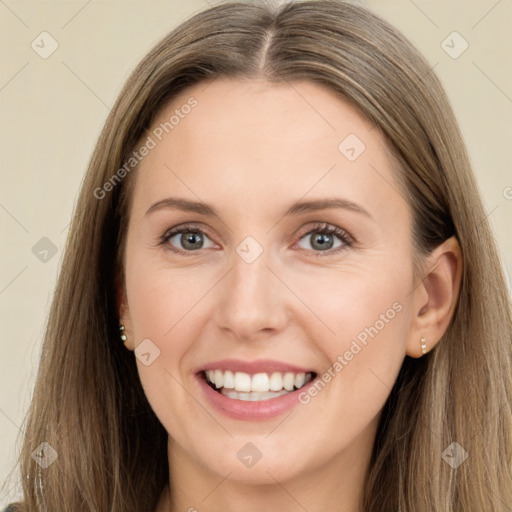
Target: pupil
column 322, row 240
column 189, row 239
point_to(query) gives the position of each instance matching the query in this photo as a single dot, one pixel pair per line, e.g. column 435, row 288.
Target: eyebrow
column 186, row 205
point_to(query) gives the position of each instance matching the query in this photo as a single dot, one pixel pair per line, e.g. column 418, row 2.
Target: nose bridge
column 250, row 278
column 252, row 300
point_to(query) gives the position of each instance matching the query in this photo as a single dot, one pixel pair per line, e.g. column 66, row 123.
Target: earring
column 424, row 349
column 123, row 335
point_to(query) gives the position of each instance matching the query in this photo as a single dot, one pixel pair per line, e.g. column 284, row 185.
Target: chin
column 248, row 465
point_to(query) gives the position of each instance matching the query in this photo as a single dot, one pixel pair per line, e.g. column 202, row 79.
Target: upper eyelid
column 347, row 239
column 324, row 226
column 188, row 226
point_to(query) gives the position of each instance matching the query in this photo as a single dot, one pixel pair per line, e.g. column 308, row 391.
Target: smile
column 257, row 387
column 256, row 390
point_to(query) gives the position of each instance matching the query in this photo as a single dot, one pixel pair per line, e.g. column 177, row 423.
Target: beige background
column 53, row 110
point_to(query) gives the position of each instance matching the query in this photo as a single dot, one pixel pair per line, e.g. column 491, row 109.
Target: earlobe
column 435, row 299
column 125, row 331
column 123, row 312
column 424, row 346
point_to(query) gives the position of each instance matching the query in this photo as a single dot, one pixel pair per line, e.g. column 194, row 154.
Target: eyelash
column 323, row 228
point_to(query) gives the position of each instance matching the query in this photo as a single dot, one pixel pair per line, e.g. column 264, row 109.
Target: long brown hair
column 88, row 403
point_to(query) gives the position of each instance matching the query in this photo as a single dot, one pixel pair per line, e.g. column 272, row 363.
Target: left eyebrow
column 201, row 208
column 324, row 204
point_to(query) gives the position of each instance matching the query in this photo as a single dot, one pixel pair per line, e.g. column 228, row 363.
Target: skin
column 251, row 149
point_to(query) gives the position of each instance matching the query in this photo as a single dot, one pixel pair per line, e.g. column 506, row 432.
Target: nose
column 253, row 301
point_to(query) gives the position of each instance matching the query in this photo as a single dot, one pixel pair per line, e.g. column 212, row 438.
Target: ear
column 123, row 313
column 436, row 296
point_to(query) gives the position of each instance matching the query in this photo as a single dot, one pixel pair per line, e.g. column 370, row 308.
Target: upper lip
column 252, row 367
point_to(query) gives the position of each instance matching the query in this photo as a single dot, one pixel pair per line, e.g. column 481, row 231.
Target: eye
column 322, row 238
column 186, row 239
column 327, row 239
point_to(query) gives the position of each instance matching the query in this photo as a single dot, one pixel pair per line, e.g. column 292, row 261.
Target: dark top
column 10, row 508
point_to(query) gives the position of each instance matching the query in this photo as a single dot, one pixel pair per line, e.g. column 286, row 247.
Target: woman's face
column 304, row 268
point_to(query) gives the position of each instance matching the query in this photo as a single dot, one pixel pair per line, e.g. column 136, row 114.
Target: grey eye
column 189, row 240
column 319, row 241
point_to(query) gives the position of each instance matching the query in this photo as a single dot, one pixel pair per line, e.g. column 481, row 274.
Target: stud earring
column 424, row 349
column 123, row 335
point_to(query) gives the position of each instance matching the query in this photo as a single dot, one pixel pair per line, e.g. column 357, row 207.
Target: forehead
column 245, row 142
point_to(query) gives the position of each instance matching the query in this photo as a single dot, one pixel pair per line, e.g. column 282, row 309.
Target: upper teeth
column 241, row 381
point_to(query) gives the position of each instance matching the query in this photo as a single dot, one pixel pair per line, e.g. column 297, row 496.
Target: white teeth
column 300, row 379
column 253, row 396
column 276, row 382
column 242, row 381
column 289, row 381
column 229, row 380
column 259, row 383
column 219, row 378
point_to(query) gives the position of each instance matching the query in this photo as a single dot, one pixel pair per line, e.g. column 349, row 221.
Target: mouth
column 255, row 387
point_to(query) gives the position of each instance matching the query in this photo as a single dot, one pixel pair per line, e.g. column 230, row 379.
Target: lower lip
column 253, row 411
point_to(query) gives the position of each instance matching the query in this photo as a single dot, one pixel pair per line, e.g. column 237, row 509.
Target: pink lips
column 252, row 367
column 246, row 410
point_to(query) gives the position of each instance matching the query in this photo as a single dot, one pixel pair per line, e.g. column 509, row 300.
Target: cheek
column 163, row 300
column 165, row 307
column 361, row 325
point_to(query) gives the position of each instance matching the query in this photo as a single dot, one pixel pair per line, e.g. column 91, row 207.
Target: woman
column 280, row 290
